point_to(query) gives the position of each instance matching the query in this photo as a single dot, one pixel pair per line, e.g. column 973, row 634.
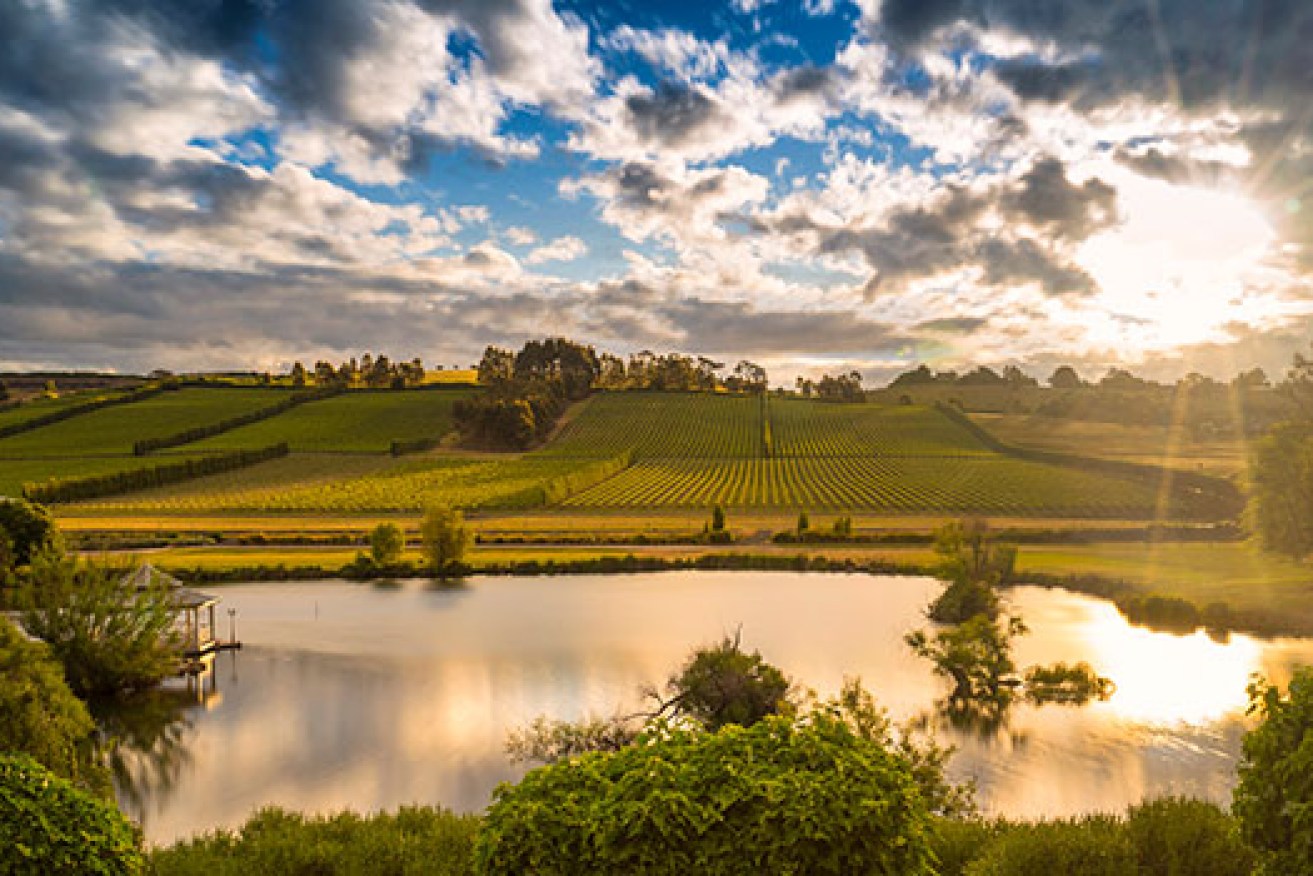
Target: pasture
column 112, row 430
column 1171, row 446
column 360, row 421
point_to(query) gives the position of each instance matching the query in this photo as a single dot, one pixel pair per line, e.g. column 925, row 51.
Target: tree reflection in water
column 144, row 739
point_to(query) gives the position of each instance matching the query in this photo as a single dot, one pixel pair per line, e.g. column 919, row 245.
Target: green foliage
column 28, row 528
column 1074, row 684
column 1166, row 837
column 109, row 636
column 723, row 684
column 1171, row 613
column 975, row 655
column 131, row 480
column 962, row 600
column 968, row 553
column 40, row 716
column 717, row 519
column 1281, row 489
column 446, row 538
column 1091, row 846
column 804, row 523
column 547, row 741
column 1176, row 836
column 47, row 825
column 386, row 543
column 1274, row 798
column 414, row 840
column 760, row 799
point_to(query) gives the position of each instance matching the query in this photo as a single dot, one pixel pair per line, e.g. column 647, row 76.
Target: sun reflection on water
column 1166, row 679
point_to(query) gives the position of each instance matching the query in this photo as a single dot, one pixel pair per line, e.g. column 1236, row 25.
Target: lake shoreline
column 1224, row 618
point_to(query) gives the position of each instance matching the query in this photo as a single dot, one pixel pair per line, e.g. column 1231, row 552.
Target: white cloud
column 562, row 249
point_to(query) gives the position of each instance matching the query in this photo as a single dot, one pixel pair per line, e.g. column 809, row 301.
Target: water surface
column 368, row 697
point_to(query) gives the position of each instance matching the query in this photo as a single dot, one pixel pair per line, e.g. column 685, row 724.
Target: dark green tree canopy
column 1274, row 798
column 40, row 716
column 30, row 528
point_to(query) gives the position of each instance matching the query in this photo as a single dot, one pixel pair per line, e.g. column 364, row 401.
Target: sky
column 816, row 185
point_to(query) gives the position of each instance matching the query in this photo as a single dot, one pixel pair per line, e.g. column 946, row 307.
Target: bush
column 1175, row 836
column 1091, row 846
column 386, row 544
column 414, row 840
column 49, row 826
column 40, row 716
column 760, row 799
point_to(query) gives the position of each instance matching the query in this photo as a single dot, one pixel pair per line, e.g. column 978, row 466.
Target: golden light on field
column 1181, row 264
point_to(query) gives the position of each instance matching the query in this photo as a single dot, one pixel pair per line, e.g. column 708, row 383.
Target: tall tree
column 110, row 636
column 446, row 538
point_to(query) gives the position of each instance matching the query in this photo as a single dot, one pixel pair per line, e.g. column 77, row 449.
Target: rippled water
column 368, row 696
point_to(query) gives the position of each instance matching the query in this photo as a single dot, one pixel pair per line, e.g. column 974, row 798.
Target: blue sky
column 817, row 185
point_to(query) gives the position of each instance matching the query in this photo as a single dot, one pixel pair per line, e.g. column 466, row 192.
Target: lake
column 370, row 696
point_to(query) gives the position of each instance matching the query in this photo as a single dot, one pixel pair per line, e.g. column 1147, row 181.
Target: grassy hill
column 112, row 430
column 355, row 422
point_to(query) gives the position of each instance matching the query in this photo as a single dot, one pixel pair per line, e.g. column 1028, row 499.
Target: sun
column 1183, row 263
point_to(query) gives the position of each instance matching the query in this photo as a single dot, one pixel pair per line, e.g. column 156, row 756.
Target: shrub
column 47, row 825
column 759, row 799
column 40, row 716
column 1092, row 846
column 1175, row 836
column 413, row 840
column 386, row 544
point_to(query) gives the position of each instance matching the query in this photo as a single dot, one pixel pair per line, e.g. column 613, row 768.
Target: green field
column 1154, row 445
column 113, row 430
column 359, row 421
column 14, row 473
column 39, row 407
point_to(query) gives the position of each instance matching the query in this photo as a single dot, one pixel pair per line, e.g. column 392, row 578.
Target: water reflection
column 351, row 695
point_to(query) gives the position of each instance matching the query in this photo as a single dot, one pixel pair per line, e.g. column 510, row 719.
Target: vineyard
column 308, row 485
column 694, row 451
column 620, row 452
column 356, row 422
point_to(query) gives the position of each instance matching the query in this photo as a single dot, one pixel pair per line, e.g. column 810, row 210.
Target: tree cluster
column 982, row 375
column 841, row 388
column 369, row 371
column 525, row 393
